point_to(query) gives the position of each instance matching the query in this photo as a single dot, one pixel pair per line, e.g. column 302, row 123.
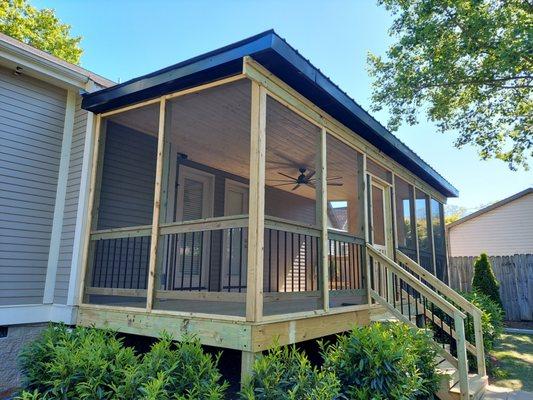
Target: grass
column 514, row 362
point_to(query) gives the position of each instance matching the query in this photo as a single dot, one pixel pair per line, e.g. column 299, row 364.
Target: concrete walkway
column 501, row 393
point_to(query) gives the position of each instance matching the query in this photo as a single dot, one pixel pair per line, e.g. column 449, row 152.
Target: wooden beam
column 322, row 215
column 311, row 327
column 169, row 96
column 219, row 333
column 92, row 188
column 254, row 291
column 157, row 206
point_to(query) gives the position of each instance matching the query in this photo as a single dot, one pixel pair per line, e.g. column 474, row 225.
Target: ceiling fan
column 303, row 179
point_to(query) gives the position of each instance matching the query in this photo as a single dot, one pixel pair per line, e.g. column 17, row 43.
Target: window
column 423, row 230
column 405, row 225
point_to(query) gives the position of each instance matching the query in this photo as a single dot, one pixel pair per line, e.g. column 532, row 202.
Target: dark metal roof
column 275, row 54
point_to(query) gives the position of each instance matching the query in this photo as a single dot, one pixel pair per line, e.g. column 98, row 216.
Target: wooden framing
column 157, row 206
column 92, row 189
column 254, row 291
column 299, row 104
column 322, row 216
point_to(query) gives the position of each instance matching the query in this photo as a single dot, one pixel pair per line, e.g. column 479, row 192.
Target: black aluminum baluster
column 192, row 260
column 201, row 260
column 183, row 252
column 277, row 260
column 140, row 261
column 230, row 257
column 127, row 261
column 133, row 262
column 240, row 260
column 269, row 260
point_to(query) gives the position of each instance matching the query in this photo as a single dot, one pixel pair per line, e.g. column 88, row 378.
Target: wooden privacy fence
column 515, row 274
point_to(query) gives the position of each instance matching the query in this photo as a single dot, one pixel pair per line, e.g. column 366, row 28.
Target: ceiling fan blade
column 311, row 184
column 296, row 187
column 335, row 184
column 283, row 184
column 280, row 180
column 310, row 175
column 287, row 176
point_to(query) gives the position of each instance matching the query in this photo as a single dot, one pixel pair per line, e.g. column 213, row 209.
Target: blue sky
column 124, row 39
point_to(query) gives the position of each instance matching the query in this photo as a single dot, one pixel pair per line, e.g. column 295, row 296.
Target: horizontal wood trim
column 115, row 292
column 207, row 296
column 207, row 224
column 291, row 226
column 221, row 333
column 266, row 335
column 119, row 233
column 344, row 237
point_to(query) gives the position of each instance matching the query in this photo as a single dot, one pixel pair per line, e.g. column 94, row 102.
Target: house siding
column 71, row 205
column 31, row 127
column 505, row 230
column 128, row 178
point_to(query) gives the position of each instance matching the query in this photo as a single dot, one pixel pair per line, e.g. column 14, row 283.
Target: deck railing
column 211, row 255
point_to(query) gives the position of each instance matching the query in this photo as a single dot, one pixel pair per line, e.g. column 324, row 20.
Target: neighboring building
column 44, row 152
column 502, row 229
column 239, row 196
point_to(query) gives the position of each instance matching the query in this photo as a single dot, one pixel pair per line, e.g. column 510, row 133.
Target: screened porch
column 224, row 201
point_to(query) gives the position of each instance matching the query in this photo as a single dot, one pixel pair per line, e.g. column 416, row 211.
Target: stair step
column 449, row 374
column 476, row 387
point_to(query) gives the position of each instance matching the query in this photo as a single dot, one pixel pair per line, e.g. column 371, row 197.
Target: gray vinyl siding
column 31, row 127
column 71, row 205
column 128, row 178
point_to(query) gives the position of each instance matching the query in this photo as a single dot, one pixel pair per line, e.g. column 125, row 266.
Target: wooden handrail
column 457, row 299
column 207, row 224
column 437, row 283
column 444, row 304
column 291, row 226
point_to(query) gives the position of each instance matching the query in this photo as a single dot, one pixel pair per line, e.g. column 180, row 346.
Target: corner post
column 256, row 218
column 322, row 215
column 97, row 147
column 157, row 206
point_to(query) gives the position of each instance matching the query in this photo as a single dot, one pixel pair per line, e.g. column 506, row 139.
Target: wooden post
column 157, row 206
column 462, row 361
column 256, row 223
column 92, row 189
column 480, row 349
column 322, row 215
column 366, row 195
column 247, row 362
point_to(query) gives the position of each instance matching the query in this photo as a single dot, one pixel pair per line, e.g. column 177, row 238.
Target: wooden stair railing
column 414, row 297
column 463, row 304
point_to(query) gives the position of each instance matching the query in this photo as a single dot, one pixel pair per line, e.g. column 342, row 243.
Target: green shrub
column 86, row 363
column 181, row 370
column 78, row 363
column 484, row 280
column 491, row 319
column 285, row 373
column 383, row 361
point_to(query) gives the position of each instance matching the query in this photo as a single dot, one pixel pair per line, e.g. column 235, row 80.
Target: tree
column 40, row 29
column 469, row 65
column 484, row 280
column 452, row 213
